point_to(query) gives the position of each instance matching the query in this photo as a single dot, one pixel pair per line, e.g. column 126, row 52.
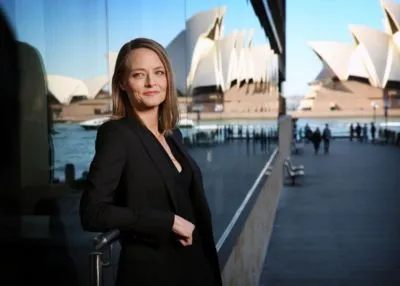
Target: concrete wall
column 245, row 262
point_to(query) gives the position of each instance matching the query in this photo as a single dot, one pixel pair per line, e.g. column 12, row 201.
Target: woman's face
column 145, row 80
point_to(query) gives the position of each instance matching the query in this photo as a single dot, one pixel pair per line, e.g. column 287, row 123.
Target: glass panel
column 228, row 100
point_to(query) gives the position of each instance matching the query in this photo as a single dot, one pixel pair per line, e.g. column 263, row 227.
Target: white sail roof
column 336, row 56
column 65, row 88
column 201, row 56
column 376, row 48
column 375, row 54
column 392, row 16
column 200, row 30
column 95, row 85
column 178, row 60
column 207, row 72
column 228, row 59
column 356, row 65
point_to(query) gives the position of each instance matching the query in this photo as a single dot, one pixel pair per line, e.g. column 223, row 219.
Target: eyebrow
column 142, row 69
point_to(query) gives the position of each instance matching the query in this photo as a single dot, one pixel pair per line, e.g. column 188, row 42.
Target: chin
column 149, row 103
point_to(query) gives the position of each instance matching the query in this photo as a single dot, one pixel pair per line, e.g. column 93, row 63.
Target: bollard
column 69, row 174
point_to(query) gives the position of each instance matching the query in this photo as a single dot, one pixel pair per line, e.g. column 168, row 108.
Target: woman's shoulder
column 122, row 129
column 112, row 125
column 118, row 123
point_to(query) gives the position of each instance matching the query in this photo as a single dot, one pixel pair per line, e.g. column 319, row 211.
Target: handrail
column 96, row 263
column 105, row 239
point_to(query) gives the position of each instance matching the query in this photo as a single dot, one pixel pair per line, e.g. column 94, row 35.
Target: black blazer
column 128, row 187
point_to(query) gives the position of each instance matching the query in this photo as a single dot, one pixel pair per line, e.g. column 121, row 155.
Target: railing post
column 101, row 243
column 96, row 269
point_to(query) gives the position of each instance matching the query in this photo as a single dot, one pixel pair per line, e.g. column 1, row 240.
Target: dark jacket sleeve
column 97, row 209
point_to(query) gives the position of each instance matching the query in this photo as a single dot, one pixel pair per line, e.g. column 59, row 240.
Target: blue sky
column 73, row 39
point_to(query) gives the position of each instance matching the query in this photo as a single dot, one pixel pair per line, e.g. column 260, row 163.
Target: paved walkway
column 342, row 225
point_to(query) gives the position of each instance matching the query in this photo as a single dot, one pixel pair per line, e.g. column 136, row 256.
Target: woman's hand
column 184, row 229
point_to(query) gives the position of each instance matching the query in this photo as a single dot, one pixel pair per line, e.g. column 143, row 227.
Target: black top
column 183, row 181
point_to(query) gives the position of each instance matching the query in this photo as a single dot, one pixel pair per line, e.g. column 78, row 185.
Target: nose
column 150, row 80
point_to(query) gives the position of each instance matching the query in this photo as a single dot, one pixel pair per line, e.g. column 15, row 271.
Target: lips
column 149, row 93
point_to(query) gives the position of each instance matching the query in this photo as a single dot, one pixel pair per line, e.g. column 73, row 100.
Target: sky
column 74, row 38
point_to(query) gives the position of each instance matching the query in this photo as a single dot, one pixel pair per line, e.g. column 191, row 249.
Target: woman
column 143, row 181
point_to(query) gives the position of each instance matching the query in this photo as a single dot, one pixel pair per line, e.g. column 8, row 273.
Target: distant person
column 365, row 133
column 301, row 134
column 316, row 140
column 326, row 137
column 351, row 132
column 294, row 132
column 308, row 133
column 373, row 132
column 144, row 182
column 358, row 132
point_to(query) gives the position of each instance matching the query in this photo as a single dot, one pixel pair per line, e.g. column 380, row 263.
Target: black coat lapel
column 159, row 159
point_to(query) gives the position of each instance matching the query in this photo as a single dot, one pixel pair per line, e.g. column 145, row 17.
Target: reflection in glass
column 226, row 74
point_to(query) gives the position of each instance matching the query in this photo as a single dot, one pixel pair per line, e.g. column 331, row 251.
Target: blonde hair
column 168, row 113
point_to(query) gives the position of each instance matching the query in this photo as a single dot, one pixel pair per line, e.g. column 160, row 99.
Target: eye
column 138, row 75
column 160, row 72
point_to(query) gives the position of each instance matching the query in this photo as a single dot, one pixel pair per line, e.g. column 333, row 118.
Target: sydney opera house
column 360, row 78
column 216, row 74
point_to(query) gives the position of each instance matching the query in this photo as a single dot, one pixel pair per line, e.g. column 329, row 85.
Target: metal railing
column 101, row 243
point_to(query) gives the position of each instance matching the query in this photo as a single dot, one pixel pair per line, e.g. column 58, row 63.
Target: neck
column 150, row 119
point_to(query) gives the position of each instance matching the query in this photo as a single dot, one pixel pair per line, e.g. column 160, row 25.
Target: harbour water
column 73, row 144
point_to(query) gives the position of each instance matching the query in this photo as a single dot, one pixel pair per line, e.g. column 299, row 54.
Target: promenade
column 341, row 224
